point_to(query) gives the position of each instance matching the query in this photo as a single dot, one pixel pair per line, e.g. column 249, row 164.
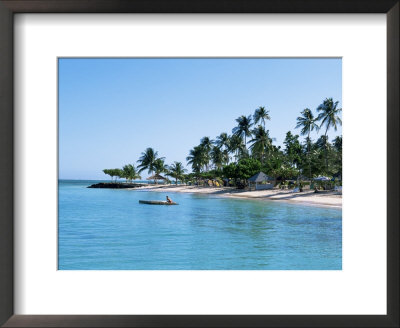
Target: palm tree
column 261, row 114
column 307, row 124
column 129, row 173
column 176, row 170
column 223, row 142
column 206, row 143
column 243, row 127
column 329, row 116
column 134, row 174
column 261, row 142
column 236, row 146
column 217, row 156
column 322, row 144
column 293, row 150
column 148, row 160
column 126, row 171
column 196, row 158
column 159, row 167
column 337, row 143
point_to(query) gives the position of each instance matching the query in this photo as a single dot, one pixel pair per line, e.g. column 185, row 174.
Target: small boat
column 156, row 202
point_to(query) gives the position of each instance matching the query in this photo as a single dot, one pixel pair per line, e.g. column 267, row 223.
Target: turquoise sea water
column 107, row 229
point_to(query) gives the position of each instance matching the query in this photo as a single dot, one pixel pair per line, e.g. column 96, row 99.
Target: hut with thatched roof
column 156, row 177
column 260, row 181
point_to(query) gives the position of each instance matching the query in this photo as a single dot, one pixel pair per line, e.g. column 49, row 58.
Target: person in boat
column 169, row 200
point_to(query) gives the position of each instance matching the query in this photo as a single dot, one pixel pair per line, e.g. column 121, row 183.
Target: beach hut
column 156, row 177
column 260, row 181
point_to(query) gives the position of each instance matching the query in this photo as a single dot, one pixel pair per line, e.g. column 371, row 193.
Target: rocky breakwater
column 116, row 185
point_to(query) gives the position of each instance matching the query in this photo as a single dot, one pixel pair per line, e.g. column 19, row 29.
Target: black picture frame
column 10, row 7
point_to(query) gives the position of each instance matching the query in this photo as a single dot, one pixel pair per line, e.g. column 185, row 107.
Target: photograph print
column 200, row 164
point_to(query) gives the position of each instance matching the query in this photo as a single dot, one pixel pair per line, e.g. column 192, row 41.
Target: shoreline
column 331, row 200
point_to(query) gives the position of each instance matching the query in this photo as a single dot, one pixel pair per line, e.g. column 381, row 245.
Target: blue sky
column 111, row 110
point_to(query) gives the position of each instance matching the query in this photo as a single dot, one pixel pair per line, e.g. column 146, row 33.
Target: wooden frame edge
column 393, row 166
column 6, row 165
column 7, row 10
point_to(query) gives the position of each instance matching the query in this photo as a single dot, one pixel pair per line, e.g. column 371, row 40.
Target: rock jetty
column 116, row 185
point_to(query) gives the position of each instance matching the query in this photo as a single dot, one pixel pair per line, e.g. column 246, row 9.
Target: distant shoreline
column 331, row 200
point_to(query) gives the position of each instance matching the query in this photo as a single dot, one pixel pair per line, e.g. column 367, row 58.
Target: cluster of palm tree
column 154, row 165
column 250, row 149
column 251, row 140
column 218, row 153
column 329, row 117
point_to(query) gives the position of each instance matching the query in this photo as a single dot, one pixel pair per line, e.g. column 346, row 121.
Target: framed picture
column 237, row 121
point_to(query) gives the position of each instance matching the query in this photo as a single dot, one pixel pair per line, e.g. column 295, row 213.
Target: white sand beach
column 308, row 197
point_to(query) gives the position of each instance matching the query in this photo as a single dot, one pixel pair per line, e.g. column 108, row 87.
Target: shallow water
column 107, row 229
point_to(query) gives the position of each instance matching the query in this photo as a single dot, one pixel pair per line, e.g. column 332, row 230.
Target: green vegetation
column 148, row 161
column 176, row 170
column 250, row 149
column 117, row 173
column 307, row 124
column 236, row 158
column 261, row 114
column 129, row 173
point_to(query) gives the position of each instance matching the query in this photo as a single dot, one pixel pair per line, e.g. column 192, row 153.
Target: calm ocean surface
column 106, row 229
